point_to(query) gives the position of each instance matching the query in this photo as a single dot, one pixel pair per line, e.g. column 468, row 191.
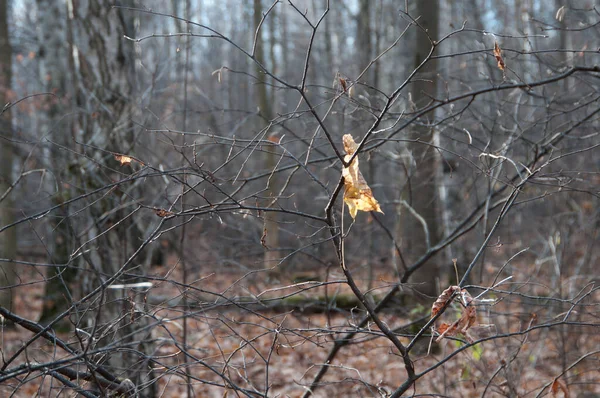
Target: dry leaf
column 219, row 73
column 560, row 14
column 498, row 55
column 263, row 238
column 123, row 159
column 468, row 316
column 163, row 213
column 357, row 194
column 443, row 299
column 559, row 385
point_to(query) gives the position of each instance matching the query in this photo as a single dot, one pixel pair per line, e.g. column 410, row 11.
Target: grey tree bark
column 52, row 68
column 103, row 65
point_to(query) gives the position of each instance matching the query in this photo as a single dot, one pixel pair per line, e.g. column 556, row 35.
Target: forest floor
column 284, row 348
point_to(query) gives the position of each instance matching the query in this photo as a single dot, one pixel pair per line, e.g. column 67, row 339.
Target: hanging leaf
column 443, row 299
column 498, row 55
column 219, row 73
column 263, row 238
column 343, row 84
column 163, row 213
column 560, row 14
column 126, row 160
column 559, row 385
column 468, row 315
column 357, row 194
column 123, row 159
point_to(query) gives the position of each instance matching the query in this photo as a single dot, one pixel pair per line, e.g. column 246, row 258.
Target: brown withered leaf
column 163, row 213
column 498, row 55
column 343, row 84
column 123, row 159
column 443, row 299
column 357, row 194
column 559, row 385
column 468, row 315
column 263, row 238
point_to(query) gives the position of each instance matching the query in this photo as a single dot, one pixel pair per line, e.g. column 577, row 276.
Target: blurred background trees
column 171, row 193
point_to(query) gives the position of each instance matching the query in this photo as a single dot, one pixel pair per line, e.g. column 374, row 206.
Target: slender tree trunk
column 52, row 66
column 270, row 237
column 272, row 58
column 8, row 238
column 364, row 55
column 566, row 59
column 423, row 194
column 379, row 28
column 364, row 49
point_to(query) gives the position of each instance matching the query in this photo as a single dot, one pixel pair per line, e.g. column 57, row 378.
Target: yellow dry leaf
column 123, row 159
column 357, row 194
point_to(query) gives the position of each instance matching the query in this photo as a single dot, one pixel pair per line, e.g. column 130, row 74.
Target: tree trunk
column 104, row 64
column 52, row 66
column 422, row 195
column 364, row 49
column 8, row 238
column 270, row 238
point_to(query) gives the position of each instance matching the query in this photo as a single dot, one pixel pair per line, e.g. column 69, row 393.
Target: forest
column 300, row 198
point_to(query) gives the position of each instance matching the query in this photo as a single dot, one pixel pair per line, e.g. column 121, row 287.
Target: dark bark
column 421, row 192
column 8, row 238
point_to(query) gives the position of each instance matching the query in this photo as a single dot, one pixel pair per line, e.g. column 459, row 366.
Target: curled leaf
column 498, row 55
column 219, row 73
column 162, row 213
column 468, row 315
column 357, row 194
column 343, row 84
column 263, row 238
column 560, row 14
column 443, row 299
column 559, row 385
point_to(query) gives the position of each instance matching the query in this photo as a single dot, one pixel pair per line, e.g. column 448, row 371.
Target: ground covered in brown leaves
column 255, row 346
